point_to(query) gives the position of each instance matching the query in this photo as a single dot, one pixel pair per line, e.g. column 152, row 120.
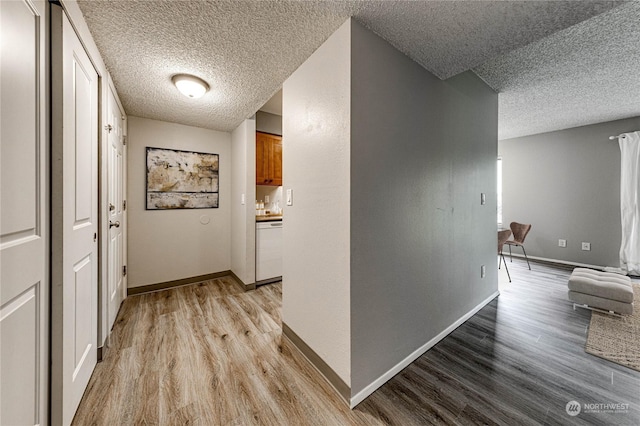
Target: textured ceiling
column 585, row 74
column 246, row 49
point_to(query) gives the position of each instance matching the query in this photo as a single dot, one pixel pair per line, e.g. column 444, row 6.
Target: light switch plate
column 562, row 243
column 242, row 199
column 586, row 246
column 266, row 199
column 289, row 197
column 483, row 198
column 483, row 271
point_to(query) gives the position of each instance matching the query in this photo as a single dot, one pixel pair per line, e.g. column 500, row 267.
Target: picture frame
column 177, row 179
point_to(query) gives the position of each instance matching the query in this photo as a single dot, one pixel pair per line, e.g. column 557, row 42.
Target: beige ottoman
column 598, row 290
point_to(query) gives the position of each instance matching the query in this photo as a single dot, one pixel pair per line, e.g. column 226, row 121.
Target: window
column 499, row 191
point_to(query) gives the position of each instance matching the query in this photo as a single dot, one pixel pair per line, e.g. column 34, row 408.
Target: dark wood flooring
column 209, row 354
column 519, row 360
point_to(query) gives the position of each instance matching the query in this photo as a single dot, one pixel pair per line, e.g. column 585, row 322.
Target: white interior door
column 74, row 218
column 24, row 233
column 115, row 258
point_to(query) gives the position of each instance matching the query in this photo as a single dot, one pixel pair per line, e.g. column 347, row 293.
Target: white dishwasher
column 268, row 250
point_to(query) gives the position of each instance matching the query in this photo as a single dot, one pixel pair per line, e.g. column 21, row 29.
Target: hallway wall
column 167, row 245
column 315, row 163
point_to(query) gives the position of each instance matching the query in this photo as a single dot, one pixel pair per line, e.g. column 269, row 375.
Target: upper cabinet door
column 268, row 159
column 262, row 157
column 275, row 161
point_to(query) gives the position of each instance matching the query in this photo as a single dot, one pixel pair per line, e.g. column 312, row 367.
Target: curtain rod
column 616, row 137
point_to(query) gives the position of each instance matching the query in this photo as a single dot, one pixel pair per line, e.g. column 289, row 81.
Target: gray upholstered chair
column 503, row 236
column 520, row 231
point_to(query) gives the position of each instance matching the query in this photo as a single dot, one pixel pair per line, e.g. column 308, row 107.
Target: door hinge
column 124, row 205
column 108, row 128
column 95, row 237
column 124, row 271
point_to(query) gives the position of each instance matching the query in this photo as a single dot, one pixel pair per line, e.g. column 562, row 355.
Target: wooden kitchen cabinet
column 268, row 159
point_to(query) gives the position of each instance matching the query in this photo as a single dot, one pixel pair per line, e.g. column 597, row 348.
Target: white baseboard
column 360, row 396
column 561, row 262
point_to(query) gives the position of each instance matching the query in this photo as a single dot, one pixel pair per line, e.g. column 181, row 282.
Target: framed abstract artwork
column 181, row 179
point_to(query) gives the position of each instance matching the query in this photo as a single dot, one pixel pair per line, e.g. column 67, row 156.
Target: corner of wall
column 243, row 215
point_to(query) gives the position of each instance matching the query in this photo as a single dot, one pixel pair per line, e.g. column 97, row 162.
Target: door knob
column 116, row 224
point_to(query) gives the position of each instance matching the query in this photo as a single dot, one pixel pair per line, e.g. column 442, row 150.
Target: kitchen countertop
column 269, row 218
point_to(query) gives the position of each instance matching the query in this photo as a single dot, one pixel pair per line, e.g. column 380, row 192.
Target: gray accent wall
column 567, row 185
column 422, row 152
column 269, row 123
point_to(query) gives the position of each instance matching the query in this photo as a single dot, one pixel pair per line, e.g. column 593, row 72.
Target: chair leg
column 505, row 266
column 525, row 256
column 510, row 256
column 499, row 259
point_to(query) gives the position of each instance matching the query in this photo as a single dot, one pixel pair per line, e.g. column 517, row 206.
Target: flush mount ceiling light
column 190, row 85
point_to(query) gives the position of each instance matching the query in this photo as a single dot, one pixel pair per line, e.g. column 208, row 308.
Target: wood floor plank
column 210, row 354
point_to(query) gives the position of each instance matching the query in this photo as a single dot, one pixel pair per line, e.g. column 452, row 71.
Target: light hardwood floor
column 208, row 354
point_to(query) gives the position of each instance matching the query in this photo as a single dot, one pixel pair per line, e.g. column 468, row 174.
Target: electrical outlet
column 289, row 197
column 483, row 271
column 586, row 246
column 562, row 243
column 266, row 199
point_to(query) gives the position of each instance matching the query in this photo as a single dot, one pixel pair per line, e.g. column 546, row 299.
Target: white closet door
column 24, row 233
column 74, row 219
column 116, row 253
